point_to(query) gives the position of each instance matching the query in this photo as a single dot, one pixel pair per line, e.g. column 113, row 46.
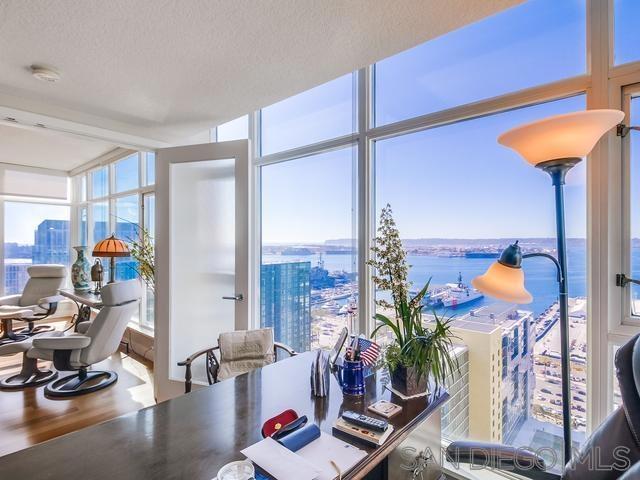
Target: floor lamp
column 554, row 145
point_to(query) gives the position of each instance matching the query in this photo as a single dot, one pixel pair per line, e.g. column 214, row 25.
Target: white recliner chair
column 95, row 341
column 38, row 300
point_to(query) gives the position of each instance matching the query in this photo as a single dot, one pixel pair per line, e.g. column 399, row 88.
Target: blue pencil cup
column 350, row 376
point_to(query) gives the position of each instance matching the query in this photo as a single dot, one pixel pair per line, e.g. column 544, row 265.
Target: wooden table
column 82, row 298
column 192, row 436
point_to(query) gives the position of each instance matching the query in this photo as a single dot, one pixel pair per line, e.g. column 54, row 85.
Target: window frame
column 39, row 200
column 628, row 92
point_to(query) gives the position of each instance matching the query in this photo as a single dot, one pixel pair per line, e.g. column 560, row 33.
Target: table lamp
column 111, row 247
column 554, row 145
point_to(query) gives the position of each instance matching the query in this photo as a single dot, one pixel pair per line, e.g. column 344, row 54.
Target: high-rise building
column 501, row 380
column 455, row 413
column 285, row 302
column 15, row 275
column 51, row 242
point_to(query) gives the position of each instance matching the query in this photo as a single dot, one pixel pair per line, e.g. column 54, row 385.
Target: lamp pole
column 558, row 169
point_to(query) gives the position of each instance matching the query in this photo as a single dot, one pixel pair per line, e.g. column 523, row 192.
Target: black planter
column 405, row 380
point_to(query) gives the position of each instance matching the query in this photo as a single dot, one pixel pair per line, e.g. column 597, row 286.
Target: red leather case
column 276, row 423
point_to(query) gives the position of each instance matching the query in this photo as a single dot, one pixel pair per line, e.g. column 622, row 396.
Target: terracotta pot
column 405, row 380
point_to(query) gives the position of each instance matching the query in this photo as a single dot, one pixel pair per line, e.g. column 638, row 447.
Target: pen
column 335, row 465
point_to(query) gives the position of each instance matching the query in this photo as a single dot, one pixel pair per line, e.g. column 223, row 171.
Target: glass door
column 202, row 255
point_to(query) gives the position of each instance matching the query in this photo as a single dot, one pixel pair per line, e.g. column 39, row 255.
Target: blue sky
column 453, row 181
column 22, row 219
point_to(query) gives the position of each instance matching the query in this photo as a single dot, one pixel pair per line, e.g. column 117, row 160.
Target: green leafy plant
column 142, row 250
column 427, row 350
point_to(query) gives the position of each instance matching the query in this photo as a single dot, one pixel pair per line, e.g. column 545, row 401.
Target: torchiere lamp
column 554, row 145
column 111, row 247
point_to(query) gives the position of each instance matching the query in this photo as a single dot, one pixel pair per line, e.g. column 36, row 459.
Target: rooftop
column 488, row 318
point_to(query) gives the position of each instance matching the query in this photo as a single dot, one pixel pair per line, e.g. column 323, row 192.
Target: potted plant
column 417, row 353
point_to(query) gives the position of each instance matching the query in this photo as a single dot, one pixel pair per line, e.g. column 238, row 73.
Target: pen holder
column 350, row 376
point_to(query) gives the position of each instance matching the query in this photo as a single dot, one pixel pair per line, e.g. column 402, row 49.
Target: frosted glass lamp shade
column 571, row 135
column 504, row 283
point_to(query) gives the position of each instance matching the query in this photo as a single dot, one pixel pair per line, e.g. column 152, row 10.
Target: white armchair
column 98, row 340
column 38, row 301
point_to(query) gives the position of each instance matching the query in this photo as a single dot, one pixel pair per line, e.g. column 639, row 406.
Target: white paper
column 280, row 462
column 322, row 451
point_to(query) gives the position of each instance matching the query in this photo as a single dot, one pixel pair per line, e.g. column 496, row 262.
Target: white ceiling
column 46, row 149
column 154, row 72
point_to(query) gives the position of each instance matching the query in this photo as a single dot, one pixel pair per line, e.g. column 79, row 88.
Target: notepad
column 311, row 462
column 279, row 462
column 321, row 452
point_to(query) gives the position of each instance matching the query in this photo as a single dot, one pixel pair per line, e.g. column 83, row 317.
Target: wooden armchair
column 213, row 363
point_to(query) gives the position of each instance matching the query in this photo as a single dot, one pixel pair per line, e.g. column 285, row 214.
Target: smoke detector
column 46, row 74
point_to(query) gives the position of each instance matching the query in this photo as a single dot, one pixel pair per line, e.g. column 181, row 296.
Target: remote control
column 365, row 421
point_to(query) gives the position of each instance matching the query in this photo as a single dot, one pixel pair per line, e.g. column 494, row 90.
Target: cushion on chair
column 44, row 281
column 15, row 312
column 121, row 301
column 82, row 327
column 47, row 271
column 12, row 348
column 73, row 341
column 10, row 300
column 120, row 293
column 245, row 350
column 24, row 345
column 47, row 353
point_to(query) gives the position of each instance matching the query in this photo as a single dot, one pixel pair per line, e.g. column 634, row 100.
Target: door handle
column 238, row 297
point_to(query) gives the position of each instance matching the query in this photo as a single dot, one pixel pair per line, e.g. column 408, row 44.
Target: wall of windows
column 34, row 233
column 513, row 50
column 117, row 198
column 309, row 219
column 421, row 130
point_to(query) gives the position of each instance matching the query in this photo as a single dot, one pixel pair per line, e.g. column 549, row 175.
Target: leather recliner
column 95, row 341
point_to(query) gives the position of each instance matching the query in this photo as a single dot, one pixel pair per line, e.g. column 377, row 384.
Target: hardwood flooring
column 27, row 417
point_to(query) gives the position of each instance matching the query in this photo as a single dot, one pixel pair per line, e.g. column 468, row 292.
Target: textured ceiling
column 168, row 69
column 42, row 148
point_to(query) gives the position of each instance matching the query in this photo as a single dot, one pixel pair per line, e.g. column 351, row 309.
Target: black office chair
column 615, row 443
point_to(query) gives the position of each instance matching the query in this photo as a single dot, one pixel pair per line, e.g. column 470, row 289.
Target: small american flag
column 369, row 351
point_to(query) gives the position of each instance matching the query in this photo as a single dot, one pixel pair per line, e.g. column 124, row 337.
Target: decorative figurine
column 97, row 275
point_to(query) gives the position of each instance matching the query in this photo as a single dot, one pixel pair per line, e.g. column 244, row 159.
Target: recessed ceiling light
column 46, row 74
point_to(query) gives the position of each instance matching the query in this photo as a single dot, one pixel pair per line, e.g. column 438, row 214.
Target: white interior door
column 202, row 255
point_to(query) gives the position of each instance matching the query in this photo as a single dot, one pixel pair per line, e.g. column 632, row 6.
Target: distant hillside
column 479, row 242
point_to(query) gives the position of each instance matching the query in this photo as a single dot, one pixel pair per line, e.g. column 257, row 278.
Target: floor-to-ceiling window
column 470, row 198
column 34, row 233
column 309, row 284
column 118, row 198
column 422, row 136
column 308, row 268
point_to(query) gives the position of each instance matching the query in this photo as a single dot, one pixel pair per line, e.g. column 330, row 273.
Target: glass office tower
column 285, row 302
column 51, row 242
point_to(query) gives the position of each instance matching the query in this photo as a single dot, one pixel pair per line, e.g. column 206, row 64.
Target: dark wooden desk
column 192, row 436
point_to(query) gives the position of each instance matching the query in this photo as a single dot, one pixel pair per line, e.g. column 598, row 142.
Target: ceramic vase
column 80, row 271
